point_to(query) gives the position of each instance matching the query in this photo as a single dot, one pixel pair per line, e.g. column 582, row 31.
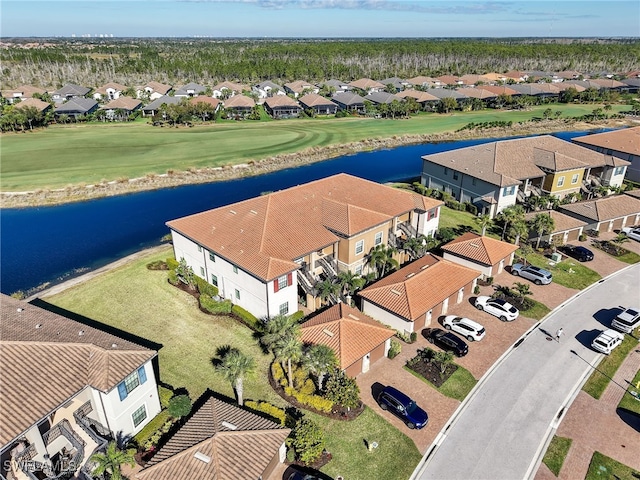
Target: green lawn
column 603, row 467
column 629, row 257
column 537, row 312
column 457, row 219
column 556, row 453
column 457, row 385
column 629, row 402
column 140, row 301
column 598, row 381
column 61, row 155
column 569, row 272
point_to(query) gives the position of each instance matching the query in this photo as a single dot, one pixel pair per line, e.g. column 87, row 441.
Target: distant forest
column 93, row 62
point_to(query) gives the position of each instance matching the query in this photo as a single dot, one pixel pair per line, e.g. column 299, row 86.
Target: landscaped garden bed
column 616, row 251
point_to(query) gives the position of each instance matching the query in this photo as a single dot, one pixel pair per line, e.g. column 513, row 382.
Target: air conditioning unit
column 556, row 257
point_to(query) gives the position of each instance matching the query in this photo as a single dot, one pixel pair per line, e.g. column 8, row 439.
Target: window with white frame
column 284, row 308
column 560, row 181
column 237, row 294
column 132, row 381
column 359, row 247
column 378, row 239
column 358, row 270
column 235, row 269
column 214, row 280
column 212, row 257
column 619, row 171
column 282, row 282
column 139, row 415
column 574, row 179
column 202, row 271
column 506, row 191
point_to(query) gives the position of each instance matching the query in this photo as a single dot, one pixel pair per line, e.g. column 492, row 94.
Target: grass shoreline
column 243, row 167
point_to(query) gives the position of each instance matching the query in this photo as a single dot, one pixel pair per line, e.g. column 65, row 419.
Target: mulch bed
column 338, row 413
column 431, row 371
column 610, row 248
column 317, row 465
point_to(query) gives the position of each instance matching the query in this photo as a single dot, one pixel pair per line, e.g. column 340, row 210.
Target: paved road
column 501, row 429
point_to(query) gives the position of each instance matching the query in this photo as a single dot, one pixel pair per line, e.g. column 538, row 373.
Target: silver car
column 537, row 275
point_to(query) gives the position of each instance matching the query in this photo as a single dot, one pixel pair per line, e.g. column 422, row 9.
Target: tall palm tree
column 112, row 460
column 318, row 360
column 509, row 215
column 234, row 367
column 484, row 222
column 349, row 282
column 381, row 258
column 326, row 289
column 289, row 350
column 416, row 246
column 277, row 329
column 542, row 223
column 517, row 230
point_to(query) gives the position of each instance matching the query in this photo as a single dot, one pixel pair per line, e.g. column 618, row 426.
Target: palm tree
column 111, row 461
column 484, row 222
column 234, row 366
column 318, row 360
column 517, row 230
column 349, row 282
column 381, row 258
column 542, row 223
column 416, row 247
column 523, row 289
column 289, row 350
column 510, row 215
column 326, row 289
column 276, row 330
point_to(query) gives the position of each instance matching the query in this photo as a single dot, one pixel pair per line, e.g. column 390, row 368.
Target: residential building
column 67, row 388
column 77, row 107
column 367, row 85
column 487, row 255
column 398, row 83
column 357, row 339
column 566, row 228
column 154, row 90
column 606, row 214
column 281, row 106
column 267, row 89
column 378, row 98
column 121, row 107
column 338, row 86
column 228, row 89
column 299, row 87
column 35, row 103
column 349, row 101
column 422, row 81
column 318, row 104
column 448, row 80
column 24, row 91
column 239, row 106
column 154, row 107
column 219, row 441
column 620, row 144
column 496, row 175
column 190, row 90
column 409, row 299
column 110, row 91
column 69, row 91
column 267, row 252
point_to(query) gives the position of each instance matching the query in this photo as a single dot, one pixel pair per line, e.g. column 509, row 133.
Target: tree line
column 93, row 62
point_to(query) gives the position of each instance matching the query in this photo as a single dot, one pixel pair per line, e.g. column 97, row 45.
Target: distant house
column 606, row 214
column 516, row 76
column 349, row 101
column 500, row 90
column 319, row 104
column 214, row 103
column 566, row 228
column 442, row 93
column 154, row 106
column 121, row 107
column 398, row 83
column 337, row 85
column 110, row 91
column 24, row 91
column 77, row 107
column 367, row 85
column 621, row 144
column 530, row 89
column 228, row 89
column 357, row 339
column 35, row 103
column 190, row 90
column 449, row 80
column 67, row 388
column 268, row 89
column 299, row 87
column 633, row 84
column 281, row 106
column 485, row 254
column 422, row 81
column 423, row 98
column 479, row 93
column 409, row 299
column 154, row 90
column 378, row 98
column 239, row 105
column 69, row 91
column 219, row 441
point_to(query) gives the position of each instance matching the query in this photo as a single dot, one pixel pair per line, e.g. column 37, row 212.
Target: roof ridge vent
column 409, row 275
column 327, row 332
column 229, row 425
column 81, row 333
column 423, row 267
column 202, row 457
column 114, row 345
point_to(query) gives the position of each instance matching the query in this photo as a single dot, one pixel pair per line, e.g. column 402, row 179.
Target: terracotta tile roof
column 347, row 331
column 124, row 103
column 280, row 101
column 608, row 83
column 607, row 208
column 26, row 91
column 565, row 85
column 112, row 85
column 552, row 88
column 366, row 84
column 480, row 93
column 448, row 79
column 420, row 286
column 46, row 358
column 313, row 100
column 214, row 102
column 568, row 74
column 480, row 249
column 626, row 140
column 264, row 235
column 499, row 90
column 418, row 95
column 494, row 77
column 158, row 87
column 33, row 102
column 562, row 222
column 421, row 80
column 237, row 444
column 239, row 101
column 298, row 86
column 234, row 87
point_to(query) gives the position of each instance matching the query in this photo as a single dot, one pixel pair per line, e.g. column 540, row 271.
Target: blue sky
column 321, row 18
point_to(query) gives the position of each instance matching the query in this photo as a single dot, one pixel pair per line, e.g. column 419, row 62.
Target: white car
column 469, row 329
column 632, row 232
column 497, row 307
column 627, row 321
column 607, row 341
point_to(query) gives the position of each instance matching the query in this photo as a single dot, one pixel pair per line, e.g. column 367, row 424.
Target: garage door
column 572, row 235
column 617, row 224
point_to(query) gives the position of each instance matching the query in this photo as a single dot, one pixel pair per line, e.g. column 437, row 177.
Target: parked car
column 632, row 232
column 581, row 254
column 448, row 341
column 469, row 329
column 627, row 321
column 607, row 341
column 403, row 407
column 537, row 275
column 298, row 475
column 497, row 307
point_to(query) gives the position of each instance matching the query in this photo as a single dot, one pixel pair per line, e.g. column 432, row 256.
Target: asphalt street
column 500, row 431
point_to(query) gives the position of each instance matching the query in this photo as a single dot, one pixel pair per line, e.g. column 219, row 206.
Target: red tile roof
column 420, row 286
column 481, row 249
column 626, row 140
column 214, row 102
column 33, row 102
column 124, row 103
column 347, row 331
column 239, row 101
column 264, row 235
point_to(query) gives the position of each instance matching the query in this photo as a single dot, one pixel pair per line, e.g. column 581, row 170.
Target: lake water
column 50, row 244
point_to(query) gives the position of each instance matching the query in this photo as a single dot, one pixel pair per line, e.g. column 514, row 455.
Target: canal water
column 47, row 245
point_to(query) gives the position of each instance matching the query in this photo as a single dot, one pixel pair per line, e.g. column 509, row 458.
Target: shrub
column 268, row 409
column 278, row 373
column 413, row 337
column 165, row 395
column 214, row 307
column 247, row 318
column 308, row 387
column 157, row 265
column 582, row 237
column 471, row 208
column 490, row 280
column 454, row 205
column 307, row 440
column 476, row 290
column 173, row 277
column 179, row 406
column 314, row 401
column 297, row 316
column 205, row 288
column 394, row 349
column 342, row 389
column 172, row 263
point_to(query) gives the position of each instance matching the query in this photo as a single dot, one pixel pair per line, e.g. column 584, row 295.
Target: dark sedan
column 448, row 341
column 581, row 254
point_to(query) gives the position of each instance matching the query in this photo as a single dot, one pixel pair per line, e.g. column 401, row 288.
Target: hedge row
column 268, row 409
column 314, row 401
column 247, row 318
column 214, row 307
